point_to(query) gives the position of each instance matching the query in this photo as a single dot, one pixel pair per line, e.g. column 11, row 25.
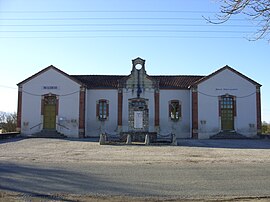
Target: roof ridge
column 147, row 75
column 178, row 75
column 96, row 75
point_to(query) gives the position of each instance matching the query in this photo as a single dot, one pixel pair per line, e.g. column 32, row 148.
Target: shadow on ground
column 210, row 143
column 227, row 143
column 15, row 139
column 50, row 183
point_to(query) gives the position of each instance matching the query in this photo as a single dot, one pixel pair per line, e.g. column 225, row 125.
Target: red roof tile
column 99, row 81
column 111, row 81
column 178, row 82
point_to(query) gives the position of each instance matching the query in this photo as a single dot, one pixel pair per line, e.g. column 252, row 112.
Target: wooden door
column 49, row 121
column 227, row 113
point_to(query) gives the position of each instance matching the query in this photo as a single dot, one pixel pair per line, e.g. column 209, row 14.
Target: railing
column 63, row 126
column 35, row 126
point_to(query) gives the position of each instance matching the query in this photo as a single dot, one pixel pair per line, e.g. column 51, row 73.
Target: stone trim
column 258, row 109
column 194, row 114
column 82, row 113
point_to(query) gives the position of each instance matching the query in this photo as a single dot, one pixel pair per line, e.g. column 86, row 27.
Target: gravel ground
column 83, row 170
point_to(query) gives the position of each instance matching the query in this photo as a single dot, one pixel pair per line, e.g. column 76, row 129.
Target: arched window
column 175, row 111
column 102, row 110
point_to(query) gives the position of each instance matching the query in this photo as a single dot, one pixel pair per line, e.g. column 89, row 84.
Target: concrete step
column 228, row 135
column 47, row 134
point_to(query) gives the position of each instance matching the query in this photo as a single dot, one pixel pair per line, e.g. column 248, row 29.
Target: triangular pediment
column 51, row 67
column 224, row 69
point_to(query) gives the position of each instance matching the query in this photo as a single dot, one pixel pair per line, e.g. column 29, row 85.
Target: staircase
column 47, row 134
column 228, row 135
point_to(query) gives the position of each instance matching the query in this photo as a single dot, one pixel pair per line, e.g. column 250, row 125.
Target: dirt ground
column 69, row 153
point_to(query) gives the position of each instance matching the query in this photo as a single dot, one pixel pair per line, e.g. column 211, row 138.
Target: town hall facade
column 184, row 105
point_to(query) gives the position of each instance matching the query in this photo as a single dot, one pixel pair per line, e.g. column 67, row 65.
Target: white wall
column 226, row 82
column 68, row 105
column 182, row 127
column 93, row 126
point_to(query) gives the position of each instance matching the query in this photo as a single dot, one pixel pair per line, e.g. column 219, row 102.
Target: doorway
column 49, row 117
column 227, row 113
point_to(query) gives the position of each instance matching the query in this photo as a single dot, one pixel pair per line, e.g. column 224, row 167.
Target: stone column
column 174, row 140
column 102, row 139
column 147, row 140
column 128, row 139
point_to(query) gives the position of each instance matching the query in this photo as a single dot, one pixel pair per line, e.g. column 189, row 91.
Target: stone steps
column 228, row 135
column 47, row 134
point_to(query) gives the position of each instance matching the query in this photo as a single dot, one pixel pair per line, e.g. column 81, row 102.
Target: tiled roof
column 99, row 81
column 179, row 82
column 111, row 81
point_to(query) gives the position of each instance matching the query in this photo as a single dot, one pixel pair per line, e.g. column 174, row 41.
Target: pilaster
column 19, row 109
column 157, row 109
column 194, row 113
column 120, row 109
column 82, row 113
column 258, row 109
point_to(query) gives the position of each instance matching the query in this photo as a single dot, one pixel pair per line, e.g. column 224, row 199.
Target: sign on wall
column 226, row 89
column 49, row 87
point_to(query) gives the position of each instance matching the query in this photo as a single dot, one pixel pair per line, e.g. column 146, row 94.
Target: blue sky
column 103, row 36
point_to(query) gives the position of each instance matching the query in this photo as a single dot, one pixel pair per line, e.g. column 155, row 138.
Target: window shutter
column 107, row 112
column 180, row 110
column 170, row 109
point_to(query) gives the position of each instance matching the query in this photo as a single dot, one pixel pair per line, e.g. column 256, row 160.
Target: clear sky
column 103, row 36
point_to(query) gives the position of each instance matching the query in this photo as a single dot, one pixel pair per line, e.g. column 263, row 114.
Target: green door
column 227, row 113
column 49, row 121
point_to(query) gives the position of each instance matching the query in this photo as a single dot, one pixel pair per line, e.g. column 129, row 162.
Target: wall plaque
column 138, row 119
column 49, row 87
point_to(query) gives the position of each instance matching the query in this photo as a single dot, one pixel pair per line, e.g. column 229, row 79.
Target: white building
column 188, row 106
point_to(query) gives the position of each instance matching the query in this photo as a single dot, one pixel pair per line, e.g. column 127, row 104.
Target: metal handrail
column 35, row 126
column 62, row 126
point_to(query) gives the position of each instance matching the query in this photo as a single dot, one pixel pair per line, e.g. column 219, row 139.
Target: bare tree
column 265, row 128
column 256, row 10
column 8, row 121
column 2, row 117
